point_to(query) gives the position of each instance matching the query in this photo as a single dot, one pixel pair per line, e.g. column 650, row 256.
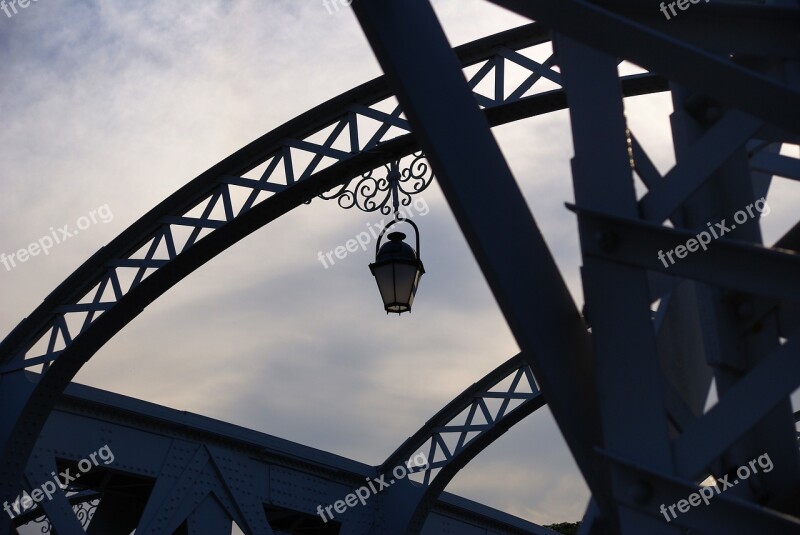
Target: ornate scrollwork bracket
column 387, row 192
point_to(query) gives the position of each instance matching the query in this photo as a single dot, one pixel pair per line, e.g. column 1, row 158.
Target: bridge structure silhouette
column 626, row 375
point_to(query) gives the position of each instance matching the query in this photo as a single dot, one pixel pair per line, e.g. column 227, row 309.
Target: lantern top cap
column 396, row 236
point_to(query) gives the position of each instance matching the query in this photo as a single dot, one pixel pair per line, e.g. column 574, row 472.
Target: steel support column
column 617, row 297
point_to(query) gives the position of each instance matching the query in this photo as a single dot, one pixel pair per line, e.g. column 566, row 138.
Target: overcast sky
column 118, row 104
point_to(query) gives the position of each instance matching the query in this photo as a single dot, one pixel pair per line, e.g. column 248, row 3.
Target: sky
column 108, row 107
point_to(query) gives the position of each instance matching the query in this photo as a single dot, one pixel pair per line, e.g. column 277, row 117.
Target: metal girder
column 173, row 470
column 206, row 192
column 714, row 176
column 738, row 351
column 770, row 382
column 719, row 76
column 457, row 443
column 758, row 271
column 725, row 28
column 725, row 513
column 703, row 158
column 414, row 53
column 617, row 298
column 729, row 263
column 721, row 167
column 213, row 187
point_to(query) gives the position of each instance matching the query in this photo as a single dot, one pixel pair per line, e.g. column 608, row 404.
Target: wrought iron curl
column 367, row 189
column 418, row 174
column 85, row 511
column 371, row 192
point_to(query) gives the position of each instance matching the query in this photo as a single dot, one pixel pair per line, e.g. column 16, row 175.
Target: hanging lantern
column 397, row 270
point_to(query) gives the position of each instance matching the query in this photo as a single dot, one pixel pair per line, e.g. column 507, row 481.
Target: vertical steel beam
column 480, row 189
column 617, row 297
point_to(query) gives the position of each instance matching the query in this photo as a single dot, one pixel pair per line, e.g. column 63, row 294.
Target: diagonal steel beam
column 771, row 381
column 701, row 161
column 413, row 51
column 685, row 63
column 617, row 297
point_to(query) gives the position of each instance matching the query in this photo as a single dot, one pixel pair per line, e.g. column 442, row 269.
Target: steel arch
column 96, row 292
column 431, row 439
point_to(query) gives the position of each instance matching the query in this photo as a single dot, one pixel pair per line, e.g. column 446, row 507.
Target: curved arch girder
column 97, row 301
column 489, row 408
column 94, row 287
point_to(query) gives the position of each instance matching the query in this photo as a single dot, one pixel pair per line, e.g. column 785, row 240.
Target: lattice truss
column 507, row 76
column 477, row 412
